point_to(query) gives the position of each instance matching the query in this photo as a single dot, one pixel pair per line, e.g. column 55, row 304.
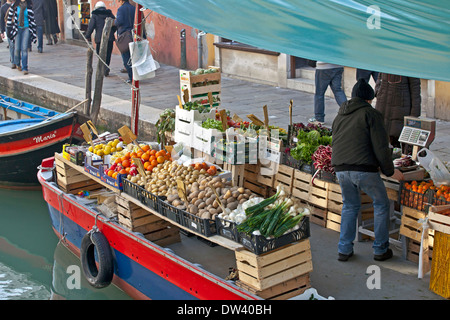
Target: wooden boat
column 188, row 268
column 29, row 133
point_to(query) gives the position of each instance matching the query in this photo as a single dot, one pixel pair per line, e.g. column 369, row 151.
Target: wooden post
column 135, row 95
column 100, row 73
column 88, row 82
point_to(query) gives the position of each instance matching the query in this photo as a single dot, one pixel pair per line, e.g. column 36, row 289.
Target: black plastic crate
column 289, row 161
column 327, row 176
column 227, row 229
column 149, row 199
column 260, row 244
column 169, row 211
column 206, row 227
column 132, row 189
column 413, row 199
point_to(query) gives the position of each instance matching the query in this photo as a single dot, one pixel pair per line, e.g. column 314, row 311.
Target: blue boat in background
column 28, row 134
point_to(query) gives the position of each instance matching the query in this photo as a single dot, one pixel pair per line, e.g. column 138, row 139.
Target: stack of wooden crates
column 138, row 219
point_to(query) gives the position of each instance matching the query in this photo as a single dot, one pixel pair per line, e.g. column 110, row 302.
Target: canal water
column 34, row 265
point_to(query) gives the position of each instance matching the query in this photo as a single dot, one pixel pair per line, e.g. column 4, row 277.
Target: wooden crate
column 284, row 177
column 437, row 221
column 73, row 181
column 282, row 291
column 413, row 249
column 273, row 268
column 140, row 220
column 198, row 87
column 440, row 267
column 255, row 174
column 410, row 227
column 301, row 183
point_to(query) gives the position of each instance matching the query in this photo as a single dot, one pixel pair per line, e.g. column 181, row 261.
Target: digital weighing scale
column 418, row 133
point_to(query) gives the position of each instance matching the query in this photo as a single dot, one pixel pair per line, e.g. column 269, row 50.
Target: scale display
column 414, row 136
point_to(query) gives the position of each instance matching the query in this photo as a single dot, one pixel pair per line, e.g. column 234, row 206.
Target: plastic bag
column 143, row 64
column 437, row 170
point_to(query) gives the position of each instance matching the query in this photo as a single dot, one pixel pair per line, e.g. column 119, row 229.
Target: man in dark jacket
column 360, row 148
column 97, row 22
column 124, row 23
column 51, row 21
column 38, row 8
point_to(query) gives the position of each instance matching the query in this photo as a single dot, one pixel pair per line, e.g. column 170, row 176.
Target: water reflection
column 33, row 265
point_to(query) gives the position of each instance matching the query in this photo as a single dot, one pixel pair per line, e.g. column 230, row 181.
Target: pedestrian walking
column 360, row 148
column 397, row 97
column 21, row 26
column 124, row 23
column 327, row 74
column 3, row 16
column 366, row 74
column 97, row 23
column 38, row 9
column 51, row 27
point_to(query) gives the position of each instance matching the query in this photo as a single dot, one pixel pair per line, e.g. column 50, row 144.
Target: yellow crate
column 440, row 267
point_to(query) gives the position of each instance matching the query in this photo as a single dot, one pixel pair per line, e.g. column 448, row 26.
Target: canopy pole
column 135, row 88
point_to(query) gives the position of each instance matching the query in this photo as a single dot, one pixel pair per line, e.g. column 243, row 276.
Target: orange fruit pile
column 150, row 158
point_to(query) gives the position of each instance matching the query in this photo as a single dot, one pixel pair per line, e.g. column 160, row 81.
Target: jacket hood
column 352, row 105
column 103, row 11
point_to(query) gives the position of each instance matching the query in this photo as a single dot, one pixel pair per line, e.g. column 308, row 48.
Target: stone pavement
column 57, row 78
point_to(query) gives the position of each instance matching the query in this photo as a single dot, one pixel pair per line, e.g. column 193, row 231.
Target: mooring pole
column 135, row 89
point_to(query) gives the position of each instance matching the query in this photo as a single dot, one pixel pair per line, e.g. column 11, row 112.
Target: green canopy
column 410, row 38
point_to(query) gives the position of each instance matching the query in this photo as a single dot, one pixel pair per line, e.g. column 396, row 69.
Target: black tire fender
column 98, row 273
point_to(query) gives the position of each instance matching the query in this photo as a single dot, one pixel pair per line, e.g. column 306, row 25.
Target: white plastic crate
column 204, row 138
column 184, row 124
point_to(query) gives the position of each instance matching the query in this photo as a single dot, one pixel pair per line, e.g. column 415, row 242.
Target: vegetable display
column 309, row 138
column 165, row 123
column 212, row 124
column 271, row 217
column 322, row 160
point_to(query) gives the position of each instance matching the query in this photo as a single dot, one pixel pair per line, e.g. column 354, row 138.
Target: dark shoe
column 25, row 72
column 344, row 257
column 129, row 81
column 123, row 70
column 55, row 39
column 49, row 43
column 381, row 257
column 40, row 50
column 19, row 68
column 30, row 49
column 13, row 66
column 106, row 73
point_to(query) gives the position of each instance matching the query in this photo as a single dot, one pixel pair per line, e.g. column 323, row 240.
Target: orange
column 127, row 169
column 118, row 160
column 161, row 159
column 147, row 164
column 127, row 155
column 146, row 147
column 159, row 153
column 152, row 157
column 133, row 155
column 167, row 157
column 126, row 163
column 149, row 168
column 154, row 163
column 114, row 175
column 145, row 156
column 123, row 171
column 152, row 152
column 139, row 153
column 110, row 173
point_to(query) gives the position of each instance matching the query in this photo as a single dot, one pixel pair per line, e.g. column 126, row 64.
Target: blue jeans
column 351, row 183
column 325, row 78
column 11, row 50
column 40, row 37
column 21, row 48
column 365, row 74
column 127, row 64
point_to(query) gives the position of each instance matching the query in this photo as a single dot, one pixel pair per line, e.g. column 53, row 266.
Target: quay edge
column 114, row 112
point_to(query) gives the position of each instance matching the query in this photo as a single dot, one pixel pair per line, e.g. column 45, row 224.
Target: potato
column 235, row 194
column 206, row 215
column 202, row 205
column 210, row 200
column 227, row 194
column 181, row 207
column 201, row 195
column 212, row 211
column 177, row 202
column 232, row 205
column 172, row 197
column 193, row 195
column 192, row 209
column 198, row 202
